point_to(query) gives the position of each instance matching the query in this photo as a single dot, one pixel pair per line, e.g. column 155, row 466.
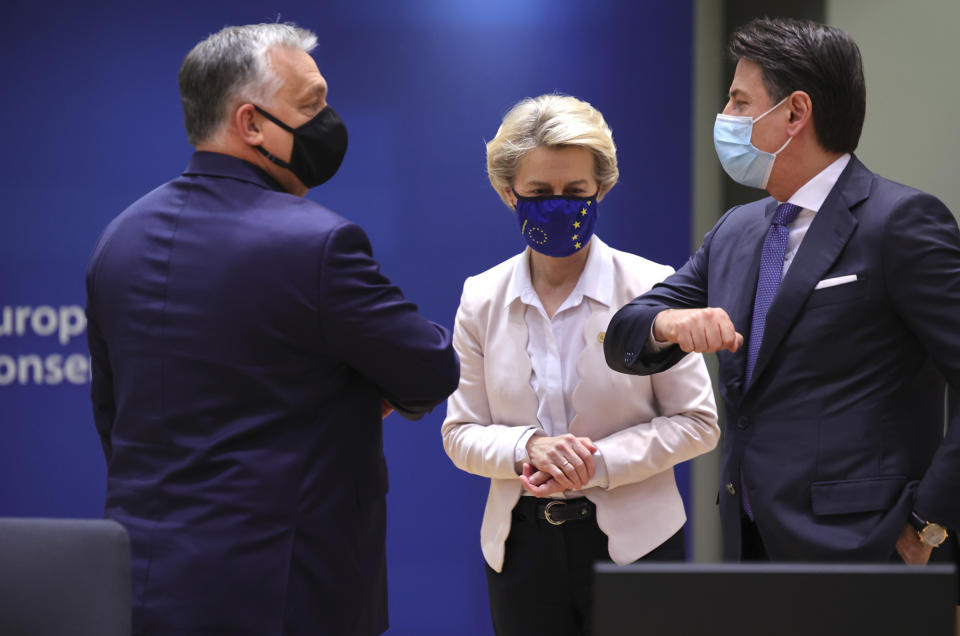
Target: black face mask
column 318, row 147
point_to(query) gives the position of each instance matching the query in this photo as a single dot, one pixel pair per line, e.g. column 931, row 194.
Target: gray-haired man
column 245, row 349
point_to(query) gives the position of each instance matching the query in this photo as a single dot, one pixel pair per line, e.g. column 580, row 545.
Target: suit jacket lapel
column 825, row 239
column 519, row 371
column 591, row 364
column 741, row 309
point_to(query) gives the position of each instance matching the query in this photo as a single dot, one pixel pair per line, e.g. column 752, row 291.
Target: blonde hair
column 550, row 121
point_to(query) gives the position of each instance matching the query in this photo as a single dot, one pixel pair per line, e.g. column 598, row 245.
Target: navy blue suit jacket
column 840, row 433
column 242, row 339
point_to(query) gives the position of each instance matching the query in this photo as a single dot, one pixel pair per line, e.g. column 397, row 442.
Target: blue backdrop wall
column 93, row 121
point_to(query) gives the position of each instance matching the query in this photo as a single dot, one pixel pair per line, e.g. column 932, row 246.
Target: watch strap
column 918, row 522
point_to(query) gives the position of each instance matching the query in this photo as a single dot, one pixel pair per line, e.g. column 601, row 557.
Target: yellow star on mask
column 583, row 212
column 576, row 245
column 574, row 237
column 576, row 225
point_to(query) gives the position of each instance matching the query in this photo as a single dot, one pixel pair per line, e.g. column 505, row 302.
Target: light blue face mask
column 745, row 163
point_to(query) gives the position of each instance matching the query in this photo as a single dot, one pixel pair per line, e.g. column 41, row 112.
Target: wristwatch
column 930, row 533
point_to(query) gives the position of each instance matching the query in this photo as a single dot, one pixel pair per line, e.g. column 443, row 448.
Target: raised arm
column 674, row 312
column 369, row 324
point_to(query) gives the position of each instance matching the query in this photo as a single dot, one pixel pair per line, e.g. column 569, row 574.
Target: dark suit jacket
column 839, row 434
column 242, row 339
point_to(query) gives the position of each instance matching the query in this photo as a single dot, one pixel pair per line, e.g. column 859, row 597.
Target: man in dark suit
column 834, row 307
column 245, row 349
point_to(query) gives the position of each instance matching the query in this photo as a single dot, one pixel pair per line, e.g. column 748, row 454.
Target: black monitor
column 774, row 599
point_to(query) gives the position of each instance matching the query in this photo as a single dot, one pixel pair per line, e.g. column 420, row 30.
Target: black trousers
column 547, row 579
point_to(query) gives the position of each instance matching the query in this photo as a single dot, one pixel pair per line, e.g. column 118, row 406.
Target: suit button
column 743, row 422
column 731, row 489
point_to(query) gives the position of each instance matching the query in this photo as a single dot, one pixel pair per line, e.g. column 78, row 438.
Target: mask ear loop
column 789, row 138
column 785, row 144
column 274, row 119
column 772, row 108
column 263, row 151
column 272, row 157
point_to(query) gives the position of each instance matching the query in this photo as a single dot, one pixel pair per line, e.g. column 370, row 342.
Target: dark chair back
column 64, row 577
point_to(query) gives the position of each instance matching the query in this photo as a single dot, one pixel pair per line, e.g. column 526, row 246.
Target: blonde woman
column 579, row 457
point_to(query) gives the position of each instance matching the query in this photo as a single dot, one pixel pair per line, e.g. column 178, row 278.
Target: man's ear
column 801, row 112
column 248, row 124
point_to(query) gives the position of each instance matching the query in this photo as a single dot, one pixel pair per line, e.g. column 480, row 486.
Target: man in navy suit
column 245, row 349
column 834, row 308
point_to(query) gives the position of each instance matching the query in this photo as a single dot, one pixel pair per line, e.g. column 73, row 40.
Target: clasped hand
column 557, row 464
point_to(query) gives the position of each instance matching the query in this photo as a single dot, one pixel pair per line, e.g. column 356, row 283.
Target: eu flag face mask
column 319, row 146
column 556, row 225
column 745, row 163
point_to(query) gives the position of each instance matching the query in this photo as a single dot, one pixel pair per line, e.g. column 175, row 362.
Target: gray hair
column 551, row 121
column 231, row 65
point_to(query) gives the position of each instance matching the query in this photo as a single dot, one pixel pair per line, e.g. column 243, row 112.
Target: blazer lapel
column 747, row 264
column 825, row 239
column 524, row 408
column 591, row 364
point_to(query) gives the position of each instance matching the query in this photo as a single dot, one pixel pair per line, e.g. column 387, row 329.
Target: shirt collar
column 596, row 279
column 813, row 193
column 215, row 164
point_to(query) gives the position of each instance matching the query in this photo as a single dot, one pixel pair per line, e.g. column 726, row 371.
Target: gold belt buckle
column 546, row 513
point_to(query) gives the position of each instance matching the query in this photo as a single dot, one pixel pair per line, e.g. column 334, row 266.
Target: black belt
column 557, row 511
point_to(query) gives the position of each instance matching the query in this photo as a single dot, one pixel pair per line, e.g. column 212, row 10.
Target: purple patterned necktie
column 771, row 271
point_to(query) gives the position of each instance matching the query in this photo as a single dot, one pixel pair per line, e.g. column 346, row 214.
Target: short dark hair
column 821, row 60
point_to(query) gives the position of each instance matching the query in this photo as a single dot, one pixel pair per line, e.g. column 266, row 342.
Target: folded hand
column 566, row 458
column 538, row 483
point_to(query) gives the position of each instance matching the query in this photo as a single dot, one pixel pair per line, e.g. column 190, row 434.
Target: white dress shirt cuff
column 520, row 455
column 600, row 478
column 653, row 345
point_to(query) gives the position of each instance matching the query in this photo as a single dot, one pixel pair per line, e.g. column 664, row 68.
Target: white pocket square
column 833, row 282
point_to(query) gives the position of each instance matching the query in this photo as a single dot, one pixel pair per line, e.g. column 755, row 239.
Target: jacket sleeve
column 470, row 438
column 101, row 384
column 921, row 252
column 368, row 324
column 686, row 427
column 625, row 343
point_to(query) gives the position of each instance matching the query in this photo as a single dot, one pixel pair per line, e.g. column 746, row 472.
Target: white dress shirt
column 555, row 345
column 810, row 198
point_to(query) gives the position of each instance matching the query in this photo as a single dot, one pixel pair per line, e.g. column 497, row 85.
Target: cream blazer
column 643, row 425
